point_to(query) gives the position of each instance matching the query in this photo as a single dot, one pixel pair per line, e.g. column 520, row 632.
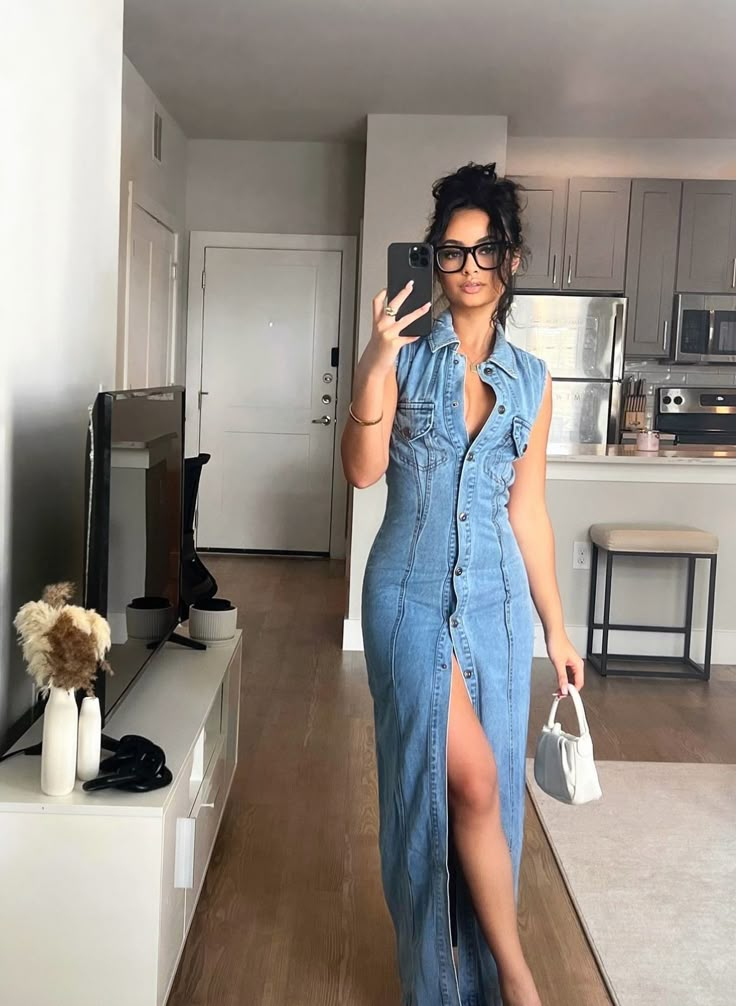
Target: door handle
column 733, row 274
column 554, row 270
column 323, row 421
column 569, row 270
column 665, row 332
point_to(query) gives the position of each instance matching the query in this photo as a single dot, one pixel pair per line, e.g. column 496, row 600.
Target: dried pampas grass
column 64, row 645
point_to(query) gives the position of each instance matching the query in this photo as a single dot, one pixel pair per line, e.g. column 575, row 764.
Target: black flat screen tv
column 133, row 533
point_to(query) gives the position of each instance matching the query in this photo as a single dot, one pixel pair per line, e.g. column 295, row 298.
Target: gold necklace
column 476, row 366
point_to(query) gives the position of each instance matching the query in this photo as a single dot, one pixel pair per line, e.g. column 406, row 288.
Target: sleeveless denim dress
column 445, row 574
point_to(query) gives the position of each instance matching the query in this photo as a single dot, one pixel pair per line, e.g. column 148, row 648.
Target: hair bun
column 470, row 177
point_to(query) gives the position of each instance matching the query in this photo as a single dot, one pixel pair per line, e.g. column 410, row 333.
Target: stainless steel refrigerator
column 581, row 339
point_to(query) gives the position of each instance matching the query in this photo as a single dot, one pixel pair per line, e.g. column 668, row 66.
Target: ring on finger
column 390, row 311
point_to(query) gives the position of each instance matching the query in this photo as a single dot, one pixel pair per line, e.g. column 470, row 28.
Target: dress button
column 454, row 405
column 444, row 667
column 486, row 370
column 459, row 571
column 468, row 674
column 454, row 623
column 455, row 361
column 502, row 409
column 463, row 516
column 406, row 431
column 471, row 456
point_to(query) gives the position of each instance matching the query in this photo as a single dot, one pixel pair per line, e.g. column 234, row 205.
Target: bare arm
column 364, row 449
column 533, row 530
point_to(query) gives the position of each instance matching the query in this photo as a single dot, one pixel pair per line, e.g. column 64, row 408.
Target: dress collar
column 443, row 334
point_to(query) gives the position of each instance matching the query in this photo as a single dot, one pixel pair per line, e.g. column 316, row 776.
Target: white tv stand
column 99, row 889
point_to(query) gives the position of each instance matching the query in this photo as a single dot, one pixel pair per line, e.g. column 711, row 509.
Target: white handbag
column 563, row 763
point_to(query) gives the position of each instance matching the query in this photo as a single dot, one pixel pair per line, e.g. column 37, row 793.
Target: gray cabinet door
column 544, row 209
column 707, row 260
column 595, row 237
column 651, row 265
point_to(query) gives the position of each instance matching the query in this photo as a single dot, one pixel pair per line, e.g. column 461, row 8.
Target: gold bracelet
column 363, row 422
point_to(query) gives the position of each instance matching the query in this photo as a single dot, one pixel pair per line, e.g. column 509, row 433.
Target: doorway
column 148, row 350
column 269, row 350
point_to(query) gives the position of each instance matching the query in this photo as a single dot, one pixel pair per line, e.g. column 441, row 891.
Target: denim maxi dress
column 445, row 573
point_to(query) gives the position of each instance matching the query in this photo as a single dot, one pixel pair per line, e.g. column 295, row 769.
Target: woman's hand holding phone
column 387, row 339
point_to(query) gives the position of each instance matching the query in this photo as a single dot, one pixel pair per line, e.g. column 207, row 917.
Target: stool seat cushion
column 653, row 538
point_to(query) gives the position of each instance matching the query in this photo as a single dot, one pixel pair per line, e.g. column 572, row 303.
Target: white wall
column 275, row 188
column 568, row 156
column 60, row 195
column 405, row 154
column 160, row 188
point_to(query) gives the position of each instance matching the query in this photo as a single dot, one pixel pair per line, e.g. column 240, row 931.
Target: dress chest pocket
column 513, row 446
column 413, row 438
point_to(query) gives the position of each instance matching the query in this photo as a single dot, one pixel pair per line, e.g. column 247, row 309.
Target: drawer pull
column 184, row 857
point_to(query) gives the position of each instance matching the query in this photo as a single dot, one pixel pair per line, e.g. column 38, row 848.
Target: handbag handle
column 579, row 709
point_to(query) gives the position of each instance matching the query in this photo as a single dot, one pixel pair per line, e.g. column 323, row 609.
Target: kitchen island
column 701, row 464
column 690, row 485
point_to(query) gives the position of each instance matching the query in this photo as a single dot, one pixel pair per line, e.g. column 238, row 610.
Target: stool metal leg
column 709, row 619
column 689, row 607
column 606, row 612
column 592, row 597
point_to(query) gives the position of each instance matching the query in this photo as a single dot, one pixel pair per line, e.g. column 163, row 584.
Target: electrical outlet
column 581, row 555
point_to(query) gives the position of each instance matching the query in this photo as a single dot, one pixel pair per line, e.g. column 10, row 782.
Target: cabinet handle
column 184, row 853
column 665, row 327
column 569, row 270
column 733, row 274
column 554, row 270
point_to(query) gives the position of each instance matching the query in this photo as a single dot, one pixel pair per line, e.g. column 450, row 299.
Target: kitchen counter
column 693, row 454
column 596, row 463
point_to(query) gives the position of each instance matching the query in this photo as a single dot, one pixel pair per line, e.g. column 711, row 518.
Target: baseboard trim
column 724, row 641
column 352, row 634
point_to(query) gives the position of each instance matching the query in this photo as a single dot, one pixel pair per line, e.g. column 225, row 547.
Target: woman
column 459, row 423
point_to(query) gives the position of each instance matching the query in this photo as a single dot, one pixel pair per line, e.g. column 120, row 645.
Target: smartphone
column 412, row 261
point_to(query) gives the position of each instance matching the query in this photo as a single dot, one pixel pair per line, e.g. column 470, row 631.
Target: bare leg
column 472, row 789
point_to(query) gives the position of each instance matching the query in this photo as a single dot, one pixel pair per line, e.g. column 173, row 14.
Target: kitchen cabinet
column 589, row 254
column 707, row 259
column 651, row 266
column 544, row 203
column 595, row 236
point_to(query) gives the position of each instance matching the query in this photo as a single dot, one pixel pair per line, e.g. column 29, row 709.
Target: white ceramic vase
column 89, row 739
column 59, row 743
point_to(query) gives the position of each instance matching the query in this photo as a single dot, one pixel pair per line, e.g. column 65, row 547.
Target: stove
column 698, row 415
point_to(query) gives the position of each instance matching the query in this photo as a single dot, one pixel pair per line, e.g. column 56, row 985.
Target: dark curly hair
column 477, row 186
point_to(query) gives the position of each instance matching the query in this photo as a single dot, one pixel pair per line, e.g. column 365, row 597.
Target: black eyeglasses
column 487, row 255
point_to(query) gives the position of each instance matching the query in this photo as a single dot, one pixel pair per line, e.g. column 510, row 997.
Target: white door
column 270, row 322
column 148, row 350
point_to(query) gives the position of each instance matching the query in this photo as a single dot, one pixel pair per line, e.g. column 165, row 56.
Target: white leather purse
column 563, row 763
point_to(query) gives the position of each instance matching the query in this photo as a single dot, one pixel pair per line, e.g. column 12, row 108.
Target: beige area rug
column 651, row 868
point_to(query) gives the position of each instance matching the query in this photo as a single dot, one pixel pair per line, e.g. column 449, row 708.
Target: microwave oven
column 705, row 328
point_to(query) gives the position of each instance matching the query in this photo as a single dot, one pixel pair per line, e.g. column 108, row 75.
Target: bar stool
column 661, row 541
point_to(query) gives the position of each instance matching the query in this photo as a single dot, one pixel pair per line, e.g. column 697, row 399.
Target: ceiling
column 312, row 69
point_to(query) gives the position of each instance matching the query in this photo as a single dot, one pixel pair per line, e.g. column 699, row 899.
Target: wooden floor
column 292, row 913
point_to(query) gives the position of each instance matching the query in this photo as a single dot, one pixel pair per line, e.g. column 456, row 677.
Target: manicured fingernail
column 410, row 283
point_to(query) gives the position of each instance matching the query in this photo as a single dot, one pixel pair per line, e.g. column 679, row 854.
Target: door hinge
column 203, row 279
column 200, row 396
